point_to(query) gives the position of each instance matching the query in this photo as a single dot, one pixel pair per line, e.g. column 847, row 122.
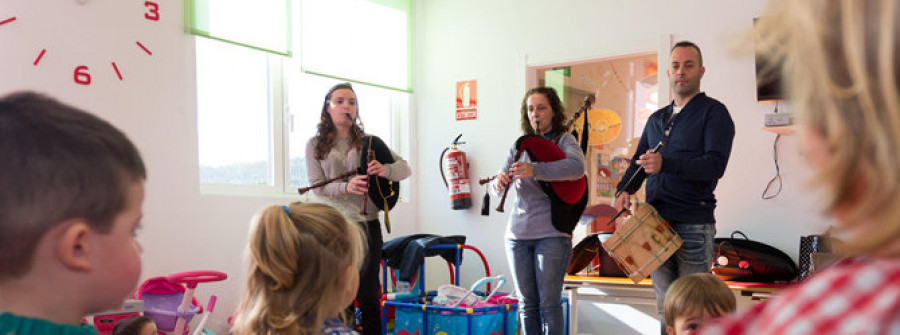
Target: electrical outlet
column 778, row 119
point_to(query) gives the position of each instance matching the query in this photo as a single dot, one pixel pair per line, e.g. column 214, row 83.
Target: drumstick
column 655, row 150
column 630, row 180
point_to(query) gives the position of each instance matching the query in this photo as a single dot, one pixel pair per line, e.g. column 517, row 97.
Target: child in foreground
column 694, row 300
column 840, row 61
column 71, row 194
column 304, row 262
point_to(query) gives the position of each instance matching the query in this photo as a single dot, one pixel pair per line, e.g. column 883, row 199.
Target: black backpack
column 742, row 259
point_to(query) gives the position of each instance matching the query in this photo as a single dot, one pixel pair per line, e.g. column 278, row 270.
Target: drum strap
column 669, row 124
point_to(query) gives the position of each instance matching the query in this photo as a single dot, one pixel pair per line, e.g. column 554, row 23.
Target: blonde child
column 841, row 65
column 71, row 194
column 694, row 300
column 304, row 262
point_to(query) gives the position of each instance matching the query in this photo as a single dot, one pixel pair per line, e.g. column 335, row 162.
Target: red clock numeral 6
column 82, row 76
column 152, row 11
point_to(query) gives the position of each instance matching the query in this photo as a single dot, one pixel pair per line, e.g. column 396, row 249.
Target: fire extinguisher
column 457, row 168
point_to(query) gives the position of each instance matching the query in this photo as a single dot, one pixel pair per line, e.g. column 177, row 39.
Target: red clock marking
column 152, row 11
column 8, row 20
column 119, row 74
column 38, row 59
column 145, row 48
column 82, row 76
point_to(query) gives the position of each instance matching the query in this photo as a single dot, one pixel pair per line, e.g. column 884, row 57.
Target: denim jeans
column 539, row 268
column 693, row 257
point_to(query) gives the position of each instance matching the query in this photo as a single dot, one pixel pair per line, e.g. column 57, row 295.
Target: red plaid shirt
column 853, row 296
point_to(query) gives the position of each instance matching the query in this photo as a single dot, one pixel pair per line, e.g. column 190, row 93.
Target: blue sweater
column 693, row 160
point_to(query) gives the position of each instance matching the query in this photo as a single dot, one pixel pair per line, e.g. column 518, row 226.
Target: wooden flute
column 326, row 182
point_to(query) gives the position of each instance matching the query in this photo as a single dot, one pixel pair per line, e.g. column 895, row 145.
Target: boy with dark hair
column 71, row 201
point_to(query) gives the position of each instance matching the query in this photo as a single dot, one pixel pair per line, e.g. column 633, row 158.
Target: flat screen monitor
column 768, row 85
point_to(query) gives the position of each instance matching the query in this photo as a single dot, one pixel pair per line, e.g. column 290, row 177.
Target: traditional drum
column 643, row 243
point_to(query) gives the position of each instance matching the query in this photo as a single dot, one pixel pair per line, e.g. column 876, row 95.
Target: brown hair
column 295, row 263
column 559, row 116
column 57, row 163
column 326, row 132
column 701, row 291
column 131, row 325
column 842, row 70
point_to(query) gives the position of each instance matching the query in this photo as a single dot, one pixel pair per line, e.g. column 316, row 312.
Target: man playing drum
column 697, row 133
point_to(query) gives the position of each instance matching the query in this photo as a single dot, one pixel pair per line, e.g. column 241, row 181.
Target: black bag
column 741, row 259
column 584, row 253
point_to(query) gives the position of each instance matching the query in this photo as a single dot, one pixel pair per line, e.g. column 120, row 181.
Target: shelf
column 781, row 130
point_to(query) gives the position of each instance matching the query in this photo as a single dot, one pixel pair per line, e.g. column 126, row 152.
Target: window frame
column 279, row 115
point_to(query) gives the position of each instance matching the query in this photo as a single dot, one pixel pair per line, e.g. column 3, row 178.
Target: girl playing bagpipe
column 339, row 147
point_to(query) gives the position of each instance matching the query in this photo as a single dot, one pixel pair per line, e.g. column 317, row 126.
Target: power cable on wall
column 777, row 177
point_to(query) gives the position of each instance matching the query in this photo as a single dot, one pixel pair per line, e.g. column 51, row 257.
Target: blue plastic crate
column 422, row 318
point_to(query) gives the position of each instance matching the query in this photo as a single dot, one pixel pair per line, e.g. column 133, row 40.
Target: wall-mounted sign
column 466, row 100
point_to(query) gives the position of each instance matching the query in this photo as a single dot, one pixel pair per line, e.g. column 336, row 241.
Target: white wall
column 155, row 106
column 494, row 41
column 491, row 41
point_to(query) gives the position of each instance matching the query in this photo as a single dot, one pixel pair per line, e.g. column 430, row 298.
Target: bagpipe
column 382, row 191
column 568, row 198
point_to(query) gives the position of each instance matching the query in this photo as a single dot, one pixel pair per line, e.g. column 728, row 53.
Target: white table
column 622, row 290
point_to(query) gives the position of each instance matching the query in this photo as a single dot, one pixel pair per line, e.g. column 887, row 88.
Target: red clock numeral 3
column 152, row 11
column 82, row 76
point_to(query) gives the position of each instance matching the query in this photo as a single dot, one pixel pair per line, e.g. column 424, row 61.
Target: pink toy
column 169, row 304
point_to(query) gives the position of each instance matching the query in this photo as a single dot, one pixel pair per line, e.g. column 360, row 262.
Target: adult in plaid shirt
column 841, row 60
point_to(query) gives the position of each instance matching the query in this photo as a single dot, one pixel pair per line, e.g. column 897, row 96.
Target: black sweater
column 693, row 160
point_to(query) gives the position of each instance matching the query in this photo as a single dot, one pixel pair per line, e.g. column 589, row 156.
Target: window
column 363, row 41
column 379, row 109
column 257, row 110
column 233, row 115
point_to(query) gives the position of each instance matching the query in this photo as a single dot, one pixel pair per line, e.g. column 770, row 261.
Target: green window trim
column 196, row 22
